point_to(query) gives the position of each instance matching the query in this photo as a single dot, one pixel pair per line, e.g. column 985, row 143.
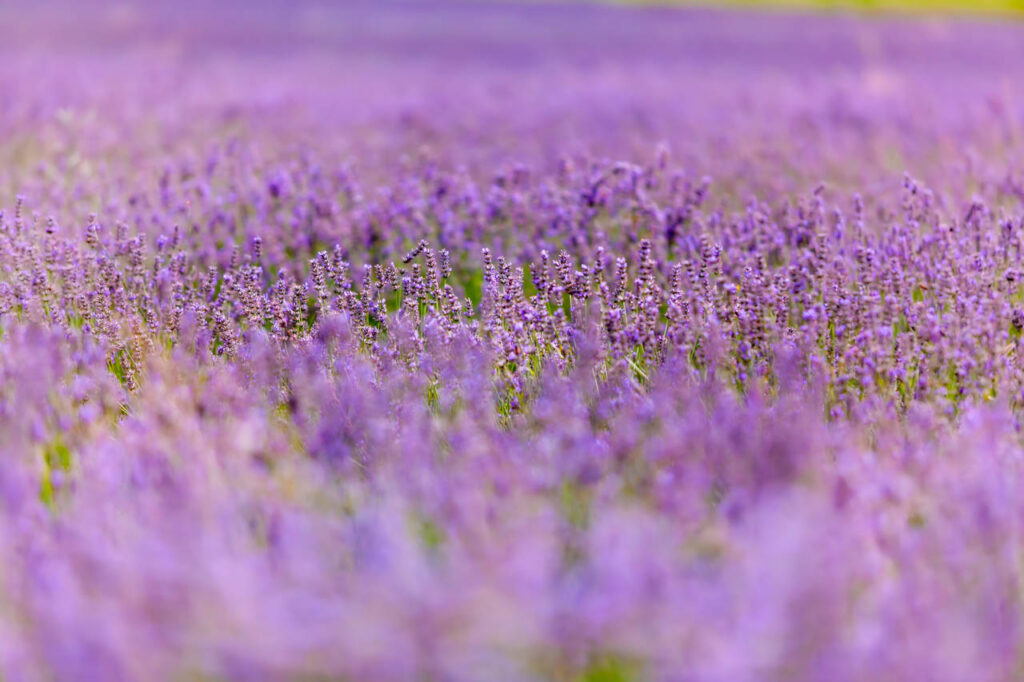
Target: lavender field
column 447, row 341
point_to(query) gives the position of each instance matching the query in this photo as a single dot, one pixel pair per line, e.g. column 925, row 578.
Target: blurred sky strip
column 394, row 26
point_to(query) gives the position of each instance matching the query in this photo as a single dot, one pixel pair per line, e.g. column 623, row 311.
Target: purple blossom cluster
column 410, row 342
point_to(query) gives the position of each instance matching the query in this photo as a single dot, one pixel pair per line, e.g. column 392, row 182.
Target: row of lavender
column 619, row 355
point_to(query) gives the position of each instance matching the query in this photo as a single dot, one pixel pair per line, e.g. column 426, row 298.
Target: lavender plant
column 664, row 346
